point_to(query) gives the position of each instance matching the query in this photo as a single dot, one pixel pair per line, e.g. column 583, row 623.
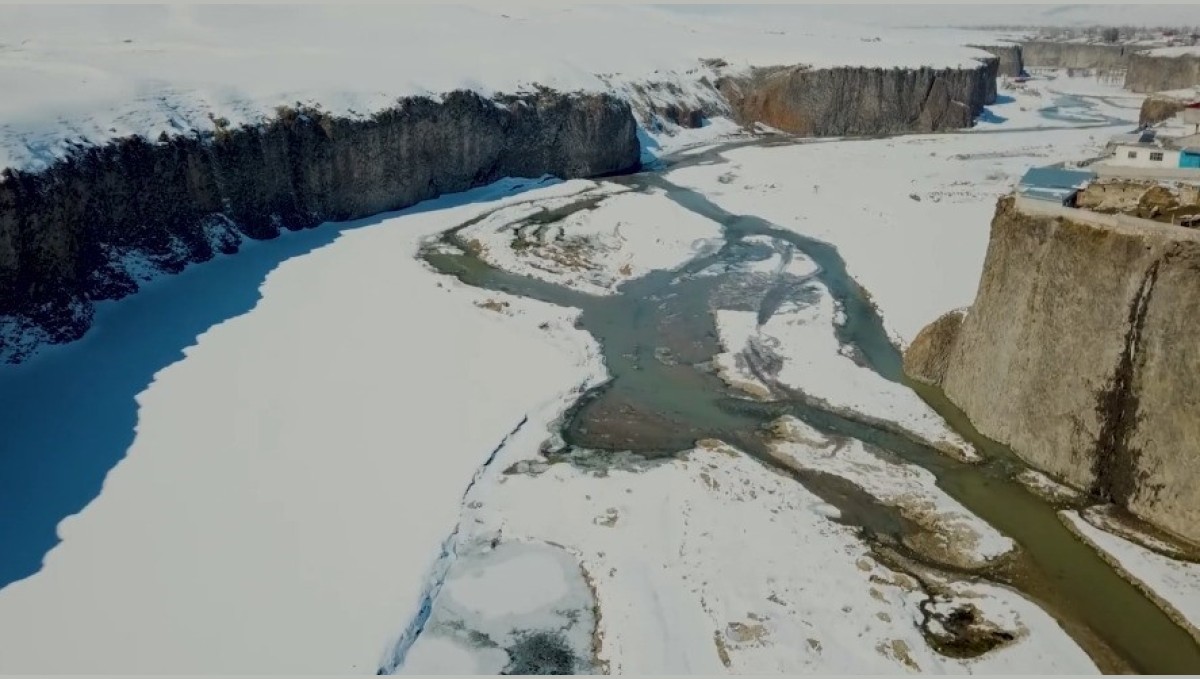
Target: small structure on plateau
column 1054, row 184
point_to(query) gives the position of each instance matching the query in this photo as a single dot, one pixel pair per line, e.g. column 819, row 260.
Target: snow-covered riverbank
column 659, row 547
column 909, row 215
column 1173, row 583
column 294, row 475
column 616, row 235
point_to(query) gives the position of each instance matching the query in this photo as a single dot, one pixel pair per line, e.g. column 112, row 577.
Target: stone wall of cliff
column 1047, row 54
column 1148, row 73
column 1157, row 108
column 857, row 100
column 1012, row 62
column 1082, row 352
column 64, row 231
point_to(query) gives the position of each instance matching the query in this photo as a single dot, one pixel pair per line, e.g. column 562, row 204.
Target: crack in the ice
column 394, row 660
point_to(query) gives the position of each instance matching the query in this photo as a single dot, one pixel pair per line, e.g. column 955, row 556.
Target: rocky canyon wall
column 1012, row 62
column 1081, row 352
column 1149, row 73
column 65, row 232
column 1048, row 54
column 76, row 233
column 866, row 101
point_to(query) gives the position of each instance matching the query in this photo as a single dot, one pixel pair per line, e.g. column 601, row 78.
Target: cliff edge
column 1082, row 353
column 74, row 233
column 1012, row 62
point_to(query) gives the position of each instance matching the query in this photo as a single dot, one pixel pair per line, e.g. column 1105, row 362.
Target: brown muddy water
column 658, row 339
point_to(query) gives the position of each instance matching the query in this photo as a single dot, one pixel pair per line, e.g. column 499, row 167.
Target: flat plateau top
column 88, row 74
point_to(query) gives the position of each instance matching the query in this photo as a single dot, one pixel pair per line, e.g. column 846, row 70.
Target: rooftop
column 1055, row 178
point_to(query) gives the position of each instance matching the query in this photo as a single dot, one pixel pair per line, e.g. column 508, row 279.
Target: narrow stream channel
column 658, row 407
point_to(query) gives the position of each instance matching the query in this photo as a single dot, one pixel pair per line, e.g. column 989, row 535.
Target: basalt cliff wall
column 67, row 234
column 1012, row 61
column 85, row 229
column 1049, row 54
column 1150, row 73
column 867, row 101
column 1082, row 352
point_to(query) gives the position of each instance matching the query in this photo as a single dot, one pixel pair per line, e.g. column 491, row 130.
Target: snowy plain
column 1177, row 51
column 76, row 75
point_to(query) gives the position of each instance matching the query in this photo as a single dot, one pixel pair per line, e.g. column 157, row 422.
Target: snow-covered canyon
column 324, row 455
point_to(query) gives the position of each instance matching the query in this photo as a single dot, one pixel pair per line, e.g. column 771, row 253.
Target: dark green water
column 658, row 336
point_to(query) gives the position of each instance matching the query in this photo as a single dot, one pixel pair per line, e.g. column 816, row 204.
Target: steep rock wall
column 1012, row 62
column 841, row 101
column 1082, row 352
column 65, row 232
column 1149, row 73
column 1047, row 54
column 1156, row 109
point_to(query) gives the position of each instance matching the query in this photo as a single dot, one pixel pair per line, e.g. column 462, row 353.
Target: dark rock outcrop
column 1082, row 352
column 857, row 100
column 1156, row 109
column 1150, row 73
column 65, row 232
column 683, row 116
column 1011, row 63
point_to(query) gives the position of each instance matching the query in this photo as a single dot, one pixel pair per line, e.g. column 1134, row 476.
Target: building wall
column 1170, row 159
column 1044, row 194
column 1105, row 170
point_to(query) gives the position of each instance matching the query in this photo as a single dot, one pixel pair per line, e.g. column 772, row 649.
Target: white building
column 1151, row 156
column 1153, row 153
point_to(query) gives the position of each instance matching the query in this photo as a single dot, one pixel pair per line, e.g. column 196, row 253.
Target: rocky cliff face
column 1012, row 62
column 80, row 231
column 1156, row 109
column 1082, row 352
column 1046, row 54
column 841, row 101
column 67, row 234
column 1155, row 74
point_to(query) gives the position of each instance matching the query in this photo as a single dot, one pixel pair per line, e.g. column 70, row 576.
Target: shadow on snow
column 69, row 414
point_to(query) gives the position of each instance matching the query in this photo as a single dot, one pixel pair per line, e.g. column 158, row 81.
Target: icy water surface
column 658, row 337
